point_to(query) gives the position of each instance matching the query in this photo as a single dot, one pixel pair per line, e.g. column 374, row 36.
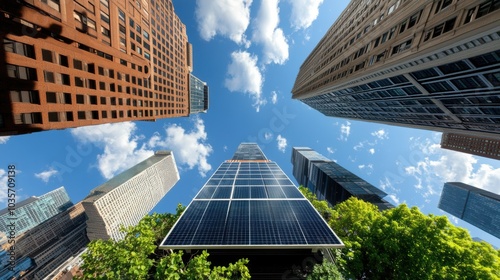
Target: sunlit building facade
column 479, row 146
column 476, row 206
column 422, row 64
column 129, row 196
column 87, row 62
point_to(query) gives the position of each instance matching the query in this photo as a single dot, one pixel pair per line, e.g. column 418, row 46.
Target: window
column 442, row 4
column 121, row 15
column 54, row 117
column 25, row 96
column 69, row 116
column 28, row 118
column 47, row 55
column 77, row 64
column 51, row 97
column 413, row 20
column 103, row 100
column 401, row 47
column 104, row 17
column 63, row 60
column 105, row 31
column 80, row 99
column 488, row 7
column 494, row 78
column 82, row 115
column 67, row 98
column 79, row 82
column 441, row 29
column 104, row 114
column 93, row 99
column 470, row 13
column 95, row 115
column 468, row 83
column 49, row 77
column 19, row 48
column 131, row 22
column 454, row 67
column 438, row 87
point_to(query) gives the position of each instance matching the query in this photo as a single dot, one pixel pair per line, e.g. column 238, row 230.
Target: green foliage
column 325, row 271
column 404, row 243
column 137, row 256
column 198, row 268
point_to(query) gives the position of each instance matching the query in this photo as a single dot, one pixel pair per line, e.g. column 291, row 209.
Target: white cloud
column 437, row 166
column 359, row 146
column 243, row 75
column 122, row 149
column 371, row 151
column 45, row 175
column 267, row 33
column 394, row 198
column 4, row 139
column 304, row 12
column 274, row 97
column 268, row 135
column 189, row 147
column 281, row 143
column 381, row 134
column 3, row 187
column 345, row 130
column 229, row 18
column 225, row 148
column 120, row 145
column 330, row 150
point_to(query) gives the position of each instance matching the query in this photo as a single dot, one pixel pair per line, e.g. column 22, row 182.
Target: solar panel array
column 247, row 205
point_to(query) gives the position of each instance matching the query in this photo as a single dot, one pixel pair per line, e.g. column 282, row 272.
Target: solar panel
column 251, row 213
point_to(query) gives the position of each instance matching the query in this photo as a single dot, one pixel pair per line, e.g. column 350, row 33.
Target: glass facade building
column 330, row 181
column 476, row 206
column 198, row 95
column 35, row 210
column 422, row 64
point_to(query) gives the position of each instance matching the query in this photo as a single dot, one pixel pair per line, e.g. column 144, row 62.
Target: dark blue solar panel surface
column 260, row 207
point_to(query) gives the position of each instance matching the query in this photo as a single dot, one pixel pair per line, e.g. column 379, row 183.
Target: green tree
column 137, row 256
column 404, row 243
column 325, row 271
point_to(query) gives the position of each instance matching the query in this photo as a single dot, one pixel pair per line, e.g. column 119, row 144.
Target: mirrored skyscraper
column 33, row 211
column 331, row 182
column 476, row 206
column 421, row 64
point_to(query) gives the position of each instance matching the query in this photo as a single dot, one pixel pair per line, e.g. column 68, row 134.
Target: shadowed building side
column 330, row 181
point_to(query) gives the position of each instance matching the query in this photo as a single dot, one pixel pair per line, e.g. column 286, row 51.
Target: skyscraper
column 75, row 63
column 34, row 210
column 476, row 206
column 49, row 244
column 129, row 196
column 249, row 208
column 479, row 146
column 330, row 181
column 421, row 64
column 198, row 95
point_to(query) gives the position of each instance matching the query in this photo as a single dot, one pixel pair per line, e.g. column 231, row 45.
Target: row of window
column 36, row 117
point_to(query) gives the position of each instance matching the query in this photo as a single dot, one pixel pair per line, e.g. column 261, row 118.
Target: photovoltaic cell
column 263, row 208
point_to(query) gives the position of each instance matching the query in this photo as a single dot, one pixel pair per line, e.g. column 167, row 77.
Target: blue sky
column 249, row 56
